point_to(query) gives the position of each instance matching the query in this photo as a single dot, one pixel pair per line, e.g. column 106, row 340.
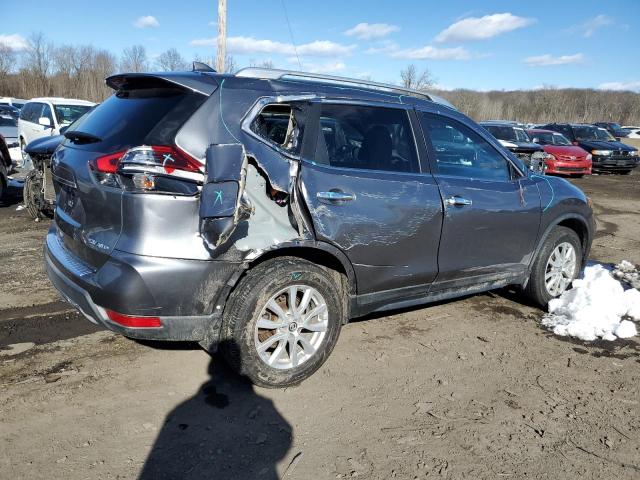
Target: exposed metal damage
column 247, row 201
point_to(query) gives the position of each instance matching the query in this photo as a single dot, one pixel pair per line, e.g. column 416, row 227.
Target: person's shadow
column 225, row 431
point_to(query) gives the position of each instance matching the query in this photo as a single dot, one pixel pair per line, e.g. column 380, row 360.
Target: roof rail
column 275, row 74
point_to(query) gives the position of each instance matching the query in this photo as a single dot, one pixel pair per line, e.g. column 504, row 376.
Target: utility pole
column 222, row 35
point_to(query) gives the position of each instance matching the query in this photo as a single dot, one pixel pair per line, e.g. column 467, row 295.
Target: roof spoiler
column 198, row 82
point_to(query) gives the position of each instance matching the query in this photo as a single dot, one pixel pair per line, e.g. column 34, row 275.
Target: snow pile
column 595, row 307
column 627, row 272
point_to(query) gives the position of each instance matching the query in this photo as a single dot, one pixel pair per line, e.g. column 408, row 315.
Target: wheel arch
column 316, row 252
column 573, row 221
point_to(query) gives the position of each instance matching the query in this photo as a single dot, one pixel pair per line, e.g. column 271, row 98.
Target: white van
column 43, row 117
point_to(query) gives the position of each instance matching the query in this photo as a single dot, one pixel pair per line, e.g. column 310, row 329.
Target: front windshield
column 502, row 133
column 602, row 134
column 67, row 114
column 559, row 139
column 8, row 121
column 586, row 133
column 521, row 135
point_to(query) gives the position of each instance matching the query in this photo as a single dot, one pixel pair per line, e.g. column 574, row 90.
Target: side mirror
column 63, row 129
column 45, row 122
column 574, row 143
column 535, row 140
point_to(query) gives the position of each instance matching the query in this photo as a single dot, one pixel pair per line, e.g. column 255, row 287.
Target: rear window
column 141, row 116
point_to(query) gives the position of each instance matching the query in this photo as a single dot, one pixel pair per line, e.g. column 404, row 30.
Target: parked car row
column 568, row 148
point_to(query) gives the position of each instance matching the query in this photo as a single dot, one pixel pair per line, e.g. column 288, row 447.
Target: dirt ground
column 472, row 388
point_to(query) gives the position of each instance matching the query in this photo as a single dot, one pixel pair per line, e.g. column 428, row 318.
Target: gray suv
column 257, row 213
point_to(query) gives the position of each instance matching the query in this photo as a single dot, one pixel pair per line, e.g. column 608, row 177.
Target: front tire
column 33, row 196
column 282, row 321
column 556, row 266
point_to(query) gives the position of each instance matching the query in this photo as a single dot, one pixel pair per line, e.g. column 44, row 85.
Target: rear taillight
column 157, row 168
column 131, row 321
column 106, row 163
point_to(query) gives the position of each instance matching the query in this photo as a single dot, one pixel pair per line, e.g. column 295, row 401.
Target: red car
column 562, row 157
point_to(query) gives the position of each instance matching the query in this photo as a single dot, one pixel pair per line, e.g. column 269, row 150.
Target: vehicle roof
column 62, row 101
column 542, row 130
column 275, row 82
column 500, row 123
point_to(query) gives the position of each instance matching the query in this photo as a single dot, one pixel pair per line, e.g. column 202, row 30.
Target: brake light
column 107, row 163
column 130, row 321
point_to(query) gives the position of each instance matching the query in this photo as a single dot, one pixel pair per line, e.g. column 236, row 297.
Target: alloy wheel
column 291, row 327
column 561, row 269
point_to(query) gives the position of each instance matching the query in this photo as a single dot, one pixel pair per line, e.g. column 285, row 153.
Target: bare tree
column 230, row 65
column 411, row 78
column 38, row 61
column 134, row 59
column 171, row 61
column 7, row 60
column 261, row 64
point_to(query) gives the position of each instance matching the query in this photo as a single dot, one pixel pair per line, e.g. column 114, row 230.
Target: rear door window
column 461, row 152
column 366, row 137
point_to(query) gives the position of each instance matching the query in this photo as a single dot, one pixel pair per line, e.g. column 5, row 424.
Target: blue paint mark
column 296, row 275
column 218, row 197
column 222, row 116
column 552, row 191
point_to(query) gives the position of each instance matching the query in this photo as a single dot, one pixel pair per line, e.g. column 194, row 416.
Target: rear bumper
column 127, row 291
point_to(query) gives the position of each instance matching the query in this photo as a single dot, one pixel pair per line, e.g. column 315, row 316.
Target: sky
column 488, row 45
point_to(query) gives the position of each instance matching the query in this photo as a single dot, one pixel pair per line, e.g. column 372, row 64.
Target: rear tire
column 545, row 271
column 249, row 347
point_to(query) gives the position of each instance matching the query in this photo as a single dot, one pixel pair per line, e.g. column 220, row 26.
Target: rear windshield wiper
column 81, row 137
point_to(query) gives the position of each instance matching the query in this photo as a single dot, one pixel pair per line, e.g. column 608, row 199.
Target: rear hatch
column 145, row 110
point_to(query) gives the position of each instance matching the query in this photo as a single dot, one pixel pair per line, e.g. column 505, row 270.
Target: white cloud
column 385, row 47
column 368, row 31
column 481, row 28
column 14, row 41
column 433, row 53
column 250, row 45
column 633, row 86
column 324, row 67
column 549, row 60
column 146, row 22
column 588, row 28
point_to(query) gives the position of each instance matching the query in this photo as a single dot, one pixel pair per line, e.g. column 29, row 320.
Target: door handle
column 458, row 201
column 335, row 197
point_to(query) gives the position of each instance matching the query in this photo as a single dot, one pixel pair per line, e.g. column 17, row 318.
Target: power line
column 293, row 42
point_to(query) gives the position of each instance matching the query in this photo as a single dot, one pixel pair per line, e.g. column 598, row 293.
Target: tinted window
column 461, row 152
column 142, row 116
column 8, row 121
column 372, row 138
